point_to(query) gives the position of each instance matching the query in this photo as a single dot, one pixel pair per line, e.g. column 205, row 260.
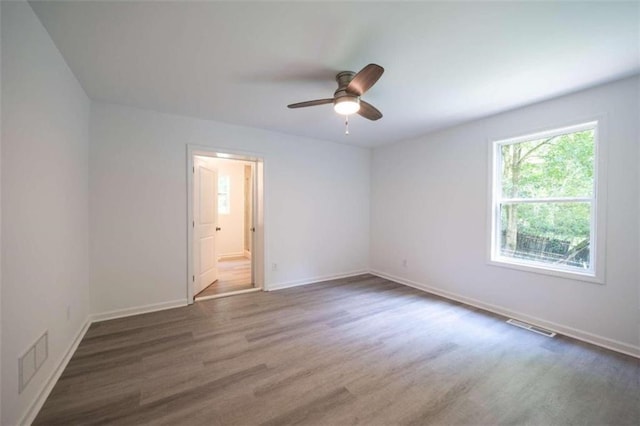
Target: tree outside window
column 544, row 199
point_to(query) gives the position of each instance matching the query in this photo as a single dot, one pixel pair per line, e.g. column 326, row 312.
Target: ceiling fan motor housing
column 344, row 78
column 342, row 96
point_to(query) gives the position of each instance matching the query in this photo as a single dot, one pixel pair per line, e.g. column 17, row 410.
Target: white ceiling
column 243, row 62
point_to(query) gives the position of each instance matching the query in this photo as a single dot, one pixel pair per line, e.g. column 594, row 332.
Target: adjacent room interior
column 320, row 213
column 223, row 226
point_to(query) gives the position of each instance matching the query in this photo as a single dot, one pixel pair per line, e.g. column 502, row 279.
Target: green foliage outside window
column 547, row 187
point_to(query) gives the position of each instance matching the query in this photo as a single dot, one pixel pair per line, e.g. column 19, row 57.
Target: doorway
column 225, row 211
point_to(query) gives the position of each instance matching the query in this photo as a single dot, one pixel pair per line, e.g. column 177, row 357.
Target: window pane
column 559, row 166
column 553, row 233
column 223, row 184
column 224, row 206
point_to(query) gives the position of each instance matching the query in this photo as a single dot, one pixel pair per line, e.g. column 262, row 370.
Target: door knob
column 218, row 228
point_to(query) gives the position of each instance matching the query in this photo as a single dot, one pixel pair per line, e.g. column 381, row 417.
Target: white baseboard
column 296, row 283
column 231, row 256
column 35, row 407
column 585, row 336
column 37, row 404
column 127, row 312
column 575, row 333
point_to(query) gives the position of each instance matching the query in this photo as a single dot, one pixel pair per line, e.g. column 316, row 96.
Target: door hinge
column 193, row 278
column 193, row 224
column 253, row 229
column 193, row 169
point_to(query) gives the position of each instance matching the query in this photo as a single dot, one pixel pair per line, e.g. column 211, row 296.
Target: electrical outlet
column 274, row 266
column 404, row 263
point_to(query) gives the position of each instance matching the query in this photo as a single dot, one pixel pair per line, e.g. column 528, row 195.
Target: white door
column 205, row 214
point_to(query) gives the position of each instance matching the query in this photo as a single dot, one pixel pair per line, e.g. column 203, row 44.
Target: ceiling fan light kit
column 347, row 105
column 351, row 86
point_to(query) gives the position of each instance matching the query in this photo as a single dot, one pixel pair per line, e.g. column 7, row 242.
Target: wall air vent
column 530, row 327
column 32, row 360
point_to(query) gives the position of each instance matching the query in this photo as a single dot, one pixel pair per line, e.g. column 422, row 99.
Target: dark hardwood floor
column 361, row 350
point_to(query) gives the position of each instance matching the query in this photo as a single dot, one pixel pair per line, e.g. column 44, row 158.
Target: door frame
column 258, row 271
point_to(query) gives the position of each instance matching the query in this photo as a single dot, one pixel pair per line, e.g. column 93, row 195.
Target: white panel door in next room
column 205, row 209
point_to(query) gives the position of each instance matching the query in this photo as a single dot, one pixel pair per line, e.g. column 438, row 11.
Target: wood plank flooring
column 361, row 350
column 233, row 275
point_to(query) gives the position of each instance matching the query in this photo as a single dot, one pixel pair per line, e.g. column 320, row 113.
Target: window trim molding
column 599, row 204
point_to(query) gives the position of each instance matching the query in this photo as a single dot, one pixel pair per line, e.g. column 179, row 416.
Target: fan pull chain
column 346, row 124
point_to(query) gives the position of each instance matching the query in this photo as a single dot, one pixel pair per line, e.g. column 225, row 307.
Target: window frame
column 595, row 273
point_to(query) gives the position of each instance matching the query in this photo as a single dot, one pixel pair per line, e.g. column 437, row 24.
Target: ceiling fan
column 351, row 86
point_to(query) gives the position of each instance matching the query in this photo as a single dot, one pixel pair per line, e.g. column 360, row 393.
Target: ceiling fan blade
column 366, row 78
column 369, row 111
column 311, row 103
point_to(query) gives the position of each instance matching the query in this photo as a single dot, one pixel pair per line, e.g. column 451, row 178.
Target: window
column 544, row 201
column 224, row 204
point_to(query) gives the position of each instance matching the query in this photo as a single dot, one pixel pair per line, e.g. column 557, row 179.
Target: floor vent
column 531, row 327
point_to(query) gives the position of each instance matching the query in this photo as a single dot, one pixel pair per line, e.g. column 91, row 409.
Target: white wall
column 230, row 238
column 44, row 203
column 429, row 206
column 316, row 204
column 1, row 134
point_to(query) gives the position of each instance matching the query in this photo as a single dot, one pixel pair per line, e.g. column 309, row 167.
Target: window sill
column 546, row 270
